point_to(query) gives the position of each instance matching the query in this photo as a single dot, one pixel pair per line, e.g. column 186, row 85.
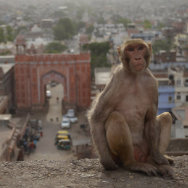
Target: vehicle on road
column 60, row 137
column 64, row 144
column 70, row 112
column 48, row 93
column 65, row 124
column 71, row 115
column 63, row 132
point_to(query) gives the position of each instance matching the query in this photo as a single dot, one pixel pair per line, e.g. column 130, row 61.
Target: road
column 54, row 104
column 45, row 147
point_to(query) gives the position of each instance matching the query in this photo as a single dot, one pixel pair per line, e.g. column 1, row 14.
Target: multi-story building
column 173, row 95
column 166, row 96
column 179, row 77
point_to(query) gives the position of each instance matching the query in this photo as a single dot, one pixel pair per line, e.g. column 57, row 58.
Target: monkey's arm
column 97, row 116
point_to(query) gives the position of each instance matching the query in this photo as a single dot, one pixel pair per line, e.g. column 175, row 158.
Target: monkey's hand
column 108, row 164
column 158, row 158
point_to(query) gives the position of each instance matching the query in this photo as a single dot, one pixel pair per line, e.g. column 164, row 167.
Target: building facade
column 166, row 98
column 34, row 72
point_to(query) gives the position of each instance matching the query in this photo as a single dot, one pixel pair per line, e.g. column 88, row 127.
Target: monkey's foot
column 145, row 168
column 166, row 171
column 158, row 159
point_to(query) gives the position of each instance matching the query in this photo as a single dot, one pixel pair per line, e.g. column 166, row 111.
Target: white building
column 180, row 79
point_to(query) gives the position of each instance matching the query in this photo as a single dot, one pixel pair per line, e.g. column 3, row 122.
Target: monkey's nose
column 137, row 58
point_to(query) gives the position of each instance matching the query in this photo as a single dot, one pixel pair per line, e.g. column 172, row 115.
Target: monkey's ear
column 150, row 47
column 119, row 50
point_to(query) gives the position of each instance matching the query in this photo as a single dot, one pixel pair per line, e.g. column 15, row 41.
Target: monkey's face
column 135, row 55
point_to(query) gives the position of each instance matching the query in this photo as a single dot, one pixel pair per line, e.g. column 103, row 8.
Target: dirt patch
column 85, row 173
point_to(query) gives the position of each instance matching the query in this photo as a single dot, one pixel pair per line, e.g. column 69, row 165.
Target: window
column 186, row 83
column 170, row 99
column 186, row 98
column 178, row 97
column 178, row 82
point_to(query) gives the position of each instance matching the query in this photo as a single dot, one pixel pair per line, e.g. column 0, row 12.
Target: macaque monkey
column 123, row 121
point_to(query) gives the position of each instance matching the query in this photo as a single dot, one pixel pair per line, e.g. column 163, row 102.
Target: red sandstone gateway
column 34, row 72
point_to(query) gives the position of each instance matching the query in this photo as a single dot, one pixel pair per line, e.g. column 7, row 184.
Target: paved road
column 55, row 105
column 45, row 147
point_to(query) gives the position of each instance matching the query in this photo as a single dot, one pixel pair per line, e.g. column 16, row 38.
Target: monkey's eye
column 130, row 49
column 141, row 48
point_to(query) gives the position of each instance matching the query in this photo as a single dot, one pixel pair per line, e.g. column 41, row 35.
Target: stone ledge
column 85, row 173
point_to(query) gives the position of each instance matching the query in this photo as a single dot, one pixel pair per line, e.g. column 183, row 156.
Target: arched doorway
column 54, row 77
column 55, row 90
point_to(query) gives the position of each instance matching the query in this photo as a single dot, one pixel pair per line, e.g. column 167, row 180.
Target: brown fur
column 123, row 119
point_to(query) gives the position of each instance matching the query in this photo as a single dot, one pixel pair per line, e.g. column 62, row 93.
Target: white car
column 71, row 115
column 73, row 119
column 48, row 93
column 70, row 112
column 65, row 123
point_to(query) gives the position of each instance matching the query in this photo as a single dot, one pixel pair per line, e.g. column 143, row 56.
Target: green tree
column 89, row 29
column 161, row 45
column 118, row 19
column 2, row 35
column 64, row 29
column 147, row 24
column 55, row 47
column 78, row 26
column 98, row 54
column 9, row 33
column 2, row 22
column 160, row 25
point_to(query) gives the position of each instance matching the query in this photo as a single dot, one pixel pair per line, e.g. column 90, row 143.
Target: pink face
column 135, row 54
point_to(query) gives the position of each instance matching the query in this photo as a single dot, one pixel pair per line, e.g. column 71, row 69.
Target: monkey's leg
column 120, row 144
column 165, row 121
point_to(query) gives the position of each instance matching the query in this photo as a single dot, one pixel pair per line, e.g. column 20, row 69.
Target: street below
column 46, row 149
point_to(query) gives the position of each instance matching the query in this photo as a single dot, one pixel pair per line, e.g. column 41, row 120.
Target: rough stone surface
column 85, row 173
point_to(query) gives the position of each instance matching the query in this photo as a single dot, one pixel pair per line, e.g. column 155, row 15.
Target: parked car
column 48, row 93
column 65, row 123
column 71, row 115
column 73, row 119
